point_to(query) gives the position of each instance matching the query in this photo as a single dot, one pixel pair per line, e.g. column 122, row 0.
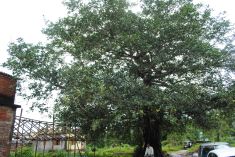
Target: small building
column 59, row 142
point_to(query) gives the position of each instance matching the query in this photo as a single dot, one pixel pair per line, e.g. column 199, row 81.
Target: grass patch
column 232, row 144
column 171, row 148
column 194, row 148
column 119, row 151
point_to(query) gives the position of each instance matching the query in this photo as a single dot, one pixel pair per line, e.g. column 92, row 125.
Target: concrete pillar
column 7, row 112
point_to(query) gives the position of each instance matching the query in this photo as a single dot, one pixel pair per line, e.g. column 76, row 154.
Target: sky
column 26, row 18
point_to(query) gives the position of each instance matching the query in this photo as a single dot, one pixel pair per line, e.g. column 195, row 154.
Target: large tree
column 139, row 71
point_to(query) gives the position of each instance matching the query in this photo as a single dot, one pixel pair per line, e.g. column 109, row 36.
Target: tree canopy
column 137, row 70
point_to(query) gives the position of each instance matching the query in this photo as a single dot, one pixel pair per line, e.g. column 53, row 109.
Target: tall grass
column 118, row 151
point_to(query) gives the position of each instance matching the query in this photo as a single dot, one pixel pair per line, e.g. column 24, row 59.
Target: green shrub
column 22, row 152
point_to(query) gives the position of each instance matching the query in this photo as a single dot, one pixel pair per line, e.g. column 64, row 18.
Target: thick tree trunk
column 152, row 132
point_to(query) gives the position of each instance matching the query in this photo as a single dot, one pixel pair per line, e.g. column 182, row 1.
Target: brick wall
column 7, row 85
column 7, row 116
column 7, row 112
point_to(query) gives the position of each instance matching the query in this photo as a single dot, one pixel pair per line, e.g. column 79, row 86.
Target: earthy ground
column 182, row 153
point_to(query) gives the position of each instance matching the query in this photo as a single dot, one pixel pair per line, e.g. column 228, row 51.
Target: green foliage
column 59, row 153
column 28, row 152
column 233, row 144
column 174, row 139
column 194, row 148
column 25, row 151
column 132, row 75
column 171, row 148
column 124, row 150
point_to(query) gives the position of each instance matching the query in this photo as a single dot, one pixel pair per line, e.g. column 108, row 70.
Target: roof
column 224, row 152
column 14, row 106
column 214, row 143
column 7, row 75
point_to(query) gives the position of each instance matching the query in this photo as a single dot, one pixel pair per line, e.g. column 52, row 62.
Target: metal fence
column 34, row 138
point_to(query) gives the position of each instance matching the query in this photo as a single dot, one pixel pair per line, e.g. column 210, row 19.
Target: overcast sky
column 25, row 18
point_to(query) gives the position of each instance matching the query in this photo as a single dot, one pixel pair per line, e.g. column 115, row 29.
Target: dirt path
column 183, row 153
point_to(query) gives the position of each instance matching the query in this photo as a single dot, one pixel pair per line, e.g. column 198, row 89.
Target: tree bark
column 152, row 131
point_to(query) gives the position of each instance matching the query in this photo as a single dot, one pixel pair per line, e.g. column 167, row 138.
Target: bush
column 23, row 152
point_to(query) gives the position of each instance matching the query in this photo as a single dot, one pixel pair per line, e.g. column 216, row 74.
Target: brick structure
column 7, row 112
